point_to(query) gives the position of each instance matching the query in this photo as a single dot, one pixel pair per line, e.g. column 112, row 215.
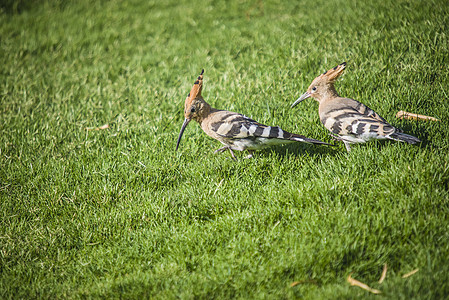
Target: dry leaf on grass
column 410, row 116
column 105, row 126
column 384, row 274
column 355, row 282
column 410, row 273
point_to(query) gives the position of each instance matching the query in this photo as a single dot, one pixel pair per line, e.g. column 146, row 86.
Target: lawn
column 96, row 203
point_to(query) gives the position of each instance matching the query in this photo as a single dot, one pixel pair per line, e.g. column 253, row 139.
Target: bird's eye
column 192, row 109
column 314, row 89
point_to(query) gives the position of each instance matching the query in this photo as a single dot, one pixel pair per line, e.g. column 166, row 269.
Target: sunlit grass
column 118, row 213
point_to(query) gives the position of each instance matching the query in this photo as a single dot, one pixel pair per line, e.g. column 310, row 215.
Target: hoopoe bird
column 347, row 119
column 235, row 131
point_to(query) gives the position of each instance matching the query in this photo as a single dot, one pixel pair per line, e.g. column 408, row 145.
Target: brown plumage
column 235, row 131
column 347, row 119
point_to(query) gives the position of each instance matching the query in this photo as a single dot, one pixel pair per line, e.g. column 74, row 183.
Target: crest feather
column 195, row 92
column 332, row 74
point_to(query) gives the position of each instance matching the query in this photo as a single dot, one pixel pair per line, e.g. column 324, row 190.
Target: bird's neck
column 205, row 112
column 328, row 94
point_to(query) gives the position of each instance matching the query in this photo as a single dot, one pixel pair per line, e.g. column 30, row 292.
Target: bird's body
column 235, row 131
column 347, row 119
column 353, row 121
column 242, row 133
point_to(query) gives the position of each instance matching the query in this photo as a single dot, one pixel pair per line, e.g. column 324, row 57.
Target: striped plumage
column 349, row 120
column 235, row 131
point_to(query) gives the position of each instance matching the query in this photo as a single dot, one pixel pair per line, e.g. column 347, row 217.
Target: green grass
column 117, row 213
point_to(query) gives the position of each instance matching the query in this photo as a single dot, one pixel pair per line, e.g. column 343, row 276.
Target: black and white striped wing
column 346, row 107
column 365, row 128
column 356, row 122
column 237, row 126
column 368, row 112
column 353, row 118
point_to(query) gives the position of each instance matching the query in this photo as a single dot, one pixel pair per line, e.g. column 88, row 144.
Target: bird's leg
column 337, row 138
column 232, row 153
column 224, row 149
column 250, row 155
column 221, row 149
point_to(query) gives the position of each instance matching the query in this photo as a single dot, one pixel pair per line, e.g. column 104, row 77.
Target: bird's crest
column 195, row 92
column 332, row 74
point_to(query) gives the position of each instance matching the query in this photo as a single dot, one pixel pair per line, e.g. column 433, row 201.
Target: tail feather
column 402, row 137
column 301, row 138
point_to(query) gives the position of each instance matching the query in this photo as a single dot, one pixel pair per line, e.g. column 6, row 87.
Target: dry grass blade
column 410, row 273
column 410, row 116
column 384, row 274
column 105, row 126
column 355, row 282
column 295, row 283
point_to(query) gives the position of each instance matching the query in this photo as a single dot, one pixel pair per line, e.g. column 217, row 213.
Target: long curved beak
column 184, row 125
column 303, row 97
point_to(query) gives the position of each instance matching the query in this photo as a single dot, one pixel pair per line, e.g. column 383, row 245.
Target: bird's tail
column 402, row 137
column 301, row 138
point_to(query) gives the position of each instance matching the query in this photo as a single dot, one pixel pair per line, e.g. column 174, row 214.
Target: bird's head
column 195, row 108
column 323, row 86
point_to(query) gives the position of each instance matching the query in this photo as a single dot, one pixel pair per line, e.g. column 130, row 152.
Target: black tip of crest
column 202, row 72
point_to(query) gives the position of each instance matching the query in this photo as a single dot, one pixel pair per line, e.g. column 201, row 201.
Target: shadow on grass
column 314, row 151
column 422, row 132
column 301, row 149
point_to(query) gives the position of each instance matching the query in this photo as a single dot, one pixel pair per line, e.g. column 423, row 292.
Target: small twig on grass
column 384, row 274
column 352, row 281
column 93, row 244
column 410, row 116
column 410, row 273
column 312, row 281
column 105, row 126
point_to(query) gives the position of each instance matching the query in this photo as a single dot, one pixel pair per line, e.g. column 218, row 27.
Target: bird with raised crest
column 349, row 120
column 235, row 131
